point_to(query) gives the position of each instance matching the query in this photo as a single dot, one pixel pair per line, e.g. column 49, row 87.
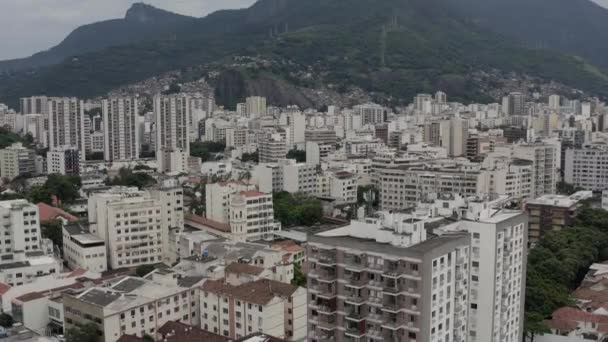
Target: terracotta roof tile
column 49, row 213
column 224, row 227
column 241, row 268
column 259, row 292
column 180, row 332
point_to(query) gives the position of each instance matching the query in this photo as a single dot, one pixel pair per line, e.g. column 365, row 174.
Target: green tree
column 6, row 320
column 298, row 155
column 204, row 149
column 142, row 270
column 299, row 278
column 148, row 338
column 126, row 177
column 53, row 230
column 250, row 157
column 86, row 333
column 567, row 189
column 297, row 209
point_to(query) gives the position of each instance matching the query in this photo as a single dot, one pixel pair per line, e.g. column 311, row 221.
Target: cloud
column 29, row 26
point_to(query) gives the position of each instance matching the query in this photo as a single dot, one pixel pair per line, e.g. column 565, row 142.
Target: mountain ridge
column 396, row 47
column 141, row 22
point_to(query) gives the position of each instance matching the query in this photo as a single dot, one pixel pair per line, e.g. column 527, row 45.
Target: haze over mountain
column 396, row 47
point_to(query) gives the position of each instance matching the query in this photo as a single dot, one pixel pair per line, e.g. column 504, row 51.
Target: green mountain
column 393, row 47
column 141, row 23
column 578, row 27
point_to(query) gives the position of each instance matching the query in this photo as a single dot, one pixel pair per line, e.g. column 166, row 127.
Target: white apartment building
column 299, row 177
column 134, row 306
column 83, row 250
column 24, row 255
column 262, row 306
column 172, row 122
column 286, row 175
column 256, row 106
column 545, row 159
column 130, row 222
column 16, row 160
column 34, row 105
column 363, row 146
column 170, row 196
column 370, row 113
column 316, row 152
column 63, row 160
column 381, row 279
column 218, row 197
column 236, row 137
column 586, row 167
column 34, row 124
column 120, row 128
column 498, row 267
column 252, row 216
column 97, row 142
column 343, row 186
column 66, row 123
column 272, row 148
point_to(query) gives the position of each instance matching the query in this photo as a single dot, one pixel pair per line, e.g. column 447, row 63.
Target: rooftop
column 49, row 213
column 259, row 292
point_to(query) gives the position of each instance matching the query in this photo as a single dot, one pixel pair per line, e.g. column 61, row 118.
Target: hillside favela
column 304, row 171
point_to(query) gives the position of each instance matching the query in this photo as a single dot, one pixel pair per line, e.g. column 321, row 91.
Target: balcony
column 354, row 299
column 323, row 290
column 392, row 325
column 354, row 263
column 325, row 309
column 326, row 260
column 325, row 274
column 327, row 323
column 356, row 315
column 355, row 333
column 355, row 280
column 322, row 336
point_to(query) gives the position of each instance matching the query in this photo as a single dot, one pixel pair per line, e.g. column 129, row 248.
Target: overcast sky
column 29, row 26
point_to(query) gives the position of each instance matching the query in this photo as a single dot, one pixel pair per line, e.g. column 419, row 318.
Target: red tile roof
column 259, row 292
column 240, row 268
column 253, row 193
column 49, row 213
column 223, row 227
column 180, row 332
column 4, row 288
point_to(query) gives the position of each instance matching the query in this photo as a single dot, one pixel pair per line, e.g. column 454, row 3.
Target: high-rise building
column 586, row 167
column 545, row 159
column 33, row 124
column 16, row 160
column 370, row 113
column 218, row 197
column 451, row 134
column 63, row 160
column 441, row 97
column 120, row 127
column 272, row 148
column 256, row 106
column 555, row 102
column 130, row 222
column 516, row 104
column 170, row 196
column 172, row 113
column 66, row 123
column 381, row 279
column 498, row 256
column 252, row 216
column 34, row 105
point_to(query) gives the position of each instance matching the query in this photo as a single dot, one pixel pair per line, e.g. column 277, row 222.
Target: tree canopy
column 298, row 155
column 66, row 188
column 297, row 209
column 86, row 333
column 126, row 177
column 559, row 262
column 204, row 149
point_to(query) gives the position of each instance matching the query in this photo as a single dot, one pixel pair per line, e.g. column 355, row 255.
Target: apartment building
column 363, row 146
column 121, row 128
column 236, row 310
column 285, row 175
column 381, row 279
column 548, row 213
column 66, row 123
column 272, row 148
column 134, row 306
column 451, row 134
column 255, row 106
column 236, row 137
column 316, row 152
column 498, row 264
column 403, row 186
column 370, row 113
column 63, row 160
column 586, row 167
column 299, row 177
column 16, row 160
column 218, row 197
column 320, row 136
column 34, row 105
column 545, row 159
column 170, row 196
column 172, row 122
column 252, row 216
column 33, row 124
column 83, row 250
column 131, row 223
column 343, row 186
